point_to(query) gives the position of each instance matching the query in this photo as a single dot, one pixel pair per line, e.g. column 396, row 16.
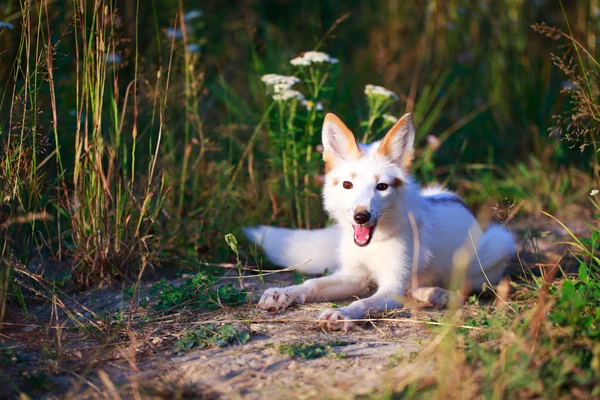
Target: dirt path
column 85, row 363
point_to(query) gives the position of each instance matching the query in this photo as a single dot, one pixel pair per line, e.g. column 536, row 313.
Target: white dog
column 389, row 233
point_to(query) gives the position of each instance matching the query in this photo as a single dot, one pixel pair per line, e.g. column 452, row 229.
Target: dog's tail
column 494, row 250
column 315, row 251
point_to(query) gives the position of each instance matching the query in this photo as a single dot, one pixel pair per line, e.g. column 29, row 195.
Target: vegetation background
column 134, row 136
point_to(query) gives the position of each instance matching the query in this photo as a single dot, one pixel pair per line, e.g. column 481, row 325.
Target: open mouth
column 363, row 234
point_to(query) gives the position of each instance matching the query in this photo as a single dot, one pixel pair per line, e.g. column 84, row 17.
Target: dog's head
column 363, row 182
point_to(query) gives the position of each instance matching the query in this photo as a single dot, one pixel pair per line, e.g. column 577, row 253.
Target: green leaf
column 583, row 272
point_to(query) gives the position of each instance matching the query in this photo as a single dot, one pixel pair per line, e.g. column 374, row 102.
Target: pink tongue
column 362, row 234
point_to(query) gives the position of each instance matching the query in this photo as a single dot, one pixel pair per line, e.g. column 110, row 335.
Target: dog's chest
column 381, row 260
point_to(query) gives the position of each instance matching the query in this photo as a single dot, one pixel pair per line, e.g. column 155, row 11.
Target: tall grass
column 135, row 132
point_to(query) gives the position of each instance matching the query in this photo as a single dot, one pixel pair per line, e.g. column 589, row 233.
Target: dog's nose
column 362, row 217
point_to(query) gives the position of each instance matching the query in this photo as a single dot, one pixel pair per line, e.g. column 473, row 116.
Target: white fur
column 312, row 251
column 421, row 238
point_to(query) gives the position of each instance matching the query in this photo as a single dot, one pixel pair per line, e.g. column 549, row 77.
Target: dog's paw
column 335, row 319
column 438, row 297
column 279, row 298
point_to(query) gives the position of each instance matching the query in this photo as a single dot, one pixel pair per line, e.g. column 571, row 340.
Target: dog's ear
column 338, row 142
column 398, row 142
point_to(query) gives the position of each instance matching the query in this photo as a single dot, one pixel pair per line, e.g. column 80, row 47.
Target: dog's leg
column 334, row 287
column 435, row 297
column 341, row 318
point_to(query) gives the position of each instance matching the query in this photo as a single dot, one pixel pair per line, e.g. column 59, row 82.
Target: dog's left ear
column 398, row 142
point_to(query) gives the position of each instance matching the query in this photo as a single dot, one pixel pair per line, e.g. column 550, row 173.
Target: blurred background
column 138, row 134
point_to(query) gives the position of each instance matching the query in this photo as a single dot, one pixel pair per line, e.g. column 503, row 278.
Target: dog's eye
column 382, row 186
column 348, row 185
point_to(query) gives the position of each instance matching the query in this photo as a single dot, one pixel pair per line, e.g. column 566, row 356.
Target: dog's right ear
column 338, row 142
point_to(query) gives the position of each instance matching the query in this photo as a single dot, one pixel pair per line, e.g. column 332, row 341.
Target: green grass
column 127, row 150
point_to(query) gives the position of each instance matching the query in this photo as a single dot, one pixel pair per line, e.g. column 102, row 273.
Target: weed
column 198, row 292
column 209, row 335
column 297, row 278
column 310, row 351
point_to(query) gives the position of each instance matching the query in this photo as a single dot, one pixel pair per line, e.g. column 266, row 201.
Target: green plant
column 210, row 335
column 295, row 120
column 310, row 351
column 198, row 292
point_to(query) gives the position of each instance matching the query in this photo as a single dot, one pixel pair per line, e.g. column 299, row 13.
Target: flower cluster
column 281, row 86
column 374, row 90
column 274, row 79
column 311, row 57
column 288, row 95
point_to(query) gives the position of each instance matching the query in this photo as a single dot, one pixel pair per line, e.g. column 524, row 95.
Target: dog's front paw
column 336, row 319
column 279, row 298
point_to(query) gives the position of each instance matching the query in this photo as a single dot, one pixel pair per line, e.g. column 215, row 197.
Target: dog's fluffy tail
column 494, row 250
column 313, row 250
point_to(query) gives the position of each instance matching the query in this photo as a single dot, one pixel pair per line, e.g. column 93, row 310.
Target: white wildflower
column 319, row 57
column 7, row 25
column 299, row 61
column 390, row 118
column 288, row 95
column 113, row 58
column 282, row 87
column 594, row 192
column 310, row 57
column 193, row 14
column 374, row 90
column 309, row 104
column 194, row 48
column 274, row 79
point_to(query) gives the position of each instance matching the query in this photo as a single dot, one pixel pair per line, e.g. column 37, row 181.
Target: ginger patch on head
column 329, row 160
column 397, row 183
